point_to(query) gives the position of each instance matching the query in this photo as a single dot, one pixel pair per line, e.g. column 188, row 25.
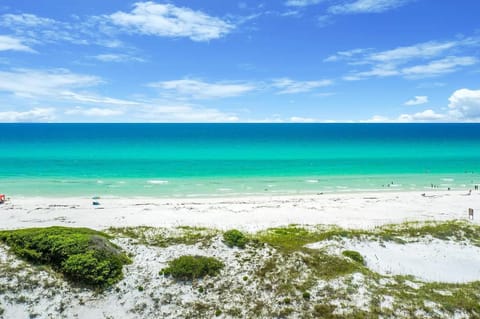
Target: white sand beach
column 30, row 291
column 350, row 210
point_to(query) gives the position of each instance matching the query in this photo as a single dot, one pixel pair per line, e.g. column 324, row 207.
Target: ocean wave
column 311, row 181
column 157, row 182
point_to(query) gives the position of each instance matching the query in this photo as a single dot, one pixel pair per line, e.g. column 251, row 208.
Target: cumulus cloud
column 289, row 86
column 465, row 104
column 8, row 43
column 417, row 100
column 146, row 18
column 197, row 89
column 167, row 20
column 424, row 116
column 33, row 115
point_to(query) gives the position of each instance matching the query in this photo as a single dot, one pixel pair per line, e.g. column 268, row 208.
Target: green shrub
column 235, row 238
column 306, row 295
column 83, row 255
column 354, row 255
column 193, row 267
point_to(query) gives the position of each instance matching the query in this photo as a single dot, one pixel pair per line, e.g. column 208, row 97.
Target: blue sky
column 240, row 61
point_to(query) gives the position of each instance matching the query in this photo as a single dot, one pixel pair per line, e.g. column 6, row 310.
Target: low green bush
column 306, row 295
column 235, row 238
column 354, row 255
column 83, row 255
column 192, row 267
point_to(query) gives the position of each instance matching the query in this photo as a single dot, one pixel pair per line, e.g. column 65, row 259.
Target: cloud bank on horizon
column 245, row 61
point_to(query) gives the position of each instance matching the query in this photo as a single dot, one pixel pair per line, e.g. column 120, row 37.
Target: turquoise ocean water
column 178, row 160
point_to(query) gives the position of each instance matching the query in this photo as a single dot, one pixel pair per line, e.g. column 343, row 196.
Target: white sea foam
column 224, row 189
column 447, row 179
column 157, row 182
column 311, row 181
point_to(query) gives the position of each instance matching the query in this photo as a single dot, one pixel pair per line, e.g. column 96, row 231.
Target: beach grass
column 276, row 274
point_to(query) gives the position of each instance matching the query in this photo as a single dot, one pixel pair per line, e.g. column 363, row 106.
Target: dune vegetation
column 84, row 256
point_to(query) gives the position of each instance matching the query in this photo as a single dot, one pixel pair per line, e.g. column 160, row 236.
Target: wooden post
column 470, row 213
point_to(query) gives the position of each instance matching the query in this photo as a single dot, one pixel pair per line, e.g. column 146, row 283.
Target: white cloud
column 56, row 85
column 382, row 70
column 424, row 116
column 94, row 112
column 203, row 90
column 366, row 6
column 168, row 20
column 8, row 43
column 465, row 104
column 111, row 57
column 430, row 85
column 96, row 99
column 424, row 59
column 436, row 67
column 25, row 19
column 301, row 3
column 299, row 119
column 288, row 86
column 378, row 119
column 402, row 54
column 342, row 55
column 33, row 115
column 36, row 30
column 184, row 113
column 31, row 83
column 421, row 50
column 417, row 100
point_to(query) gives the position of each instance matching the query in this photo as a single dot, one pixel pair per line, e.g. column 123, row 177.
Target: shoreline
column 249, row 213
